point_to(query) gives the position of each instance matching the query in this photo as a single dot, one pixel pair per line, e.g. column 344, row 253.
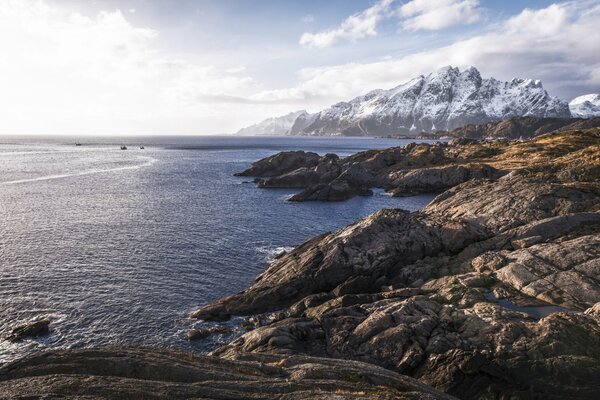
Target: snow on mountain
column 443, row 100
column 273, row 126
column 586, row 106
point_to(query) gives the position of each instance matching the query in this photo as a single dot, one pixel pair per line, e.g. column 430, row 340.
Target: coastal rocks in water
column 371, row 247
column 281, row 163
column 491, row 291
column 38, row 327
column 201, row 333
column 162, row 374
column 330, row 178
column 334, row 191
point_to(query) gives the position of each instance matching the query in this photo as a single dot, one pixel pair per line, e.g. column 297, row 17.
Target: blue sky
column 212, row 66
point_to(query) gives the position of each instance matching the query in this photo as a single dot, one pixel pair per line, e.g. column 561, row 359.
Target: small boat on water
column 141, row 147
column 77, row 144
column 123, row 147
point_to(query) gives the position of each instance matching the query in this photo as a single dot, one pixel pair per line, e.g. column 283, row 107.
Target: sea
column 117, row 247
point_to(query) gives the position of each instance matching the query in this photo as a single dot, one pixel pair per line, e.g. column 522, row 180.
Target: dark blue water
column 119, row 246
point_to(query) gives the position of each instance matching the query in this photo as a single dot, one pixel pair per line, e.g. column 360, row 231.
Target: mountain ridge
column 585, row 106
column 440, row 101
column 273, row 126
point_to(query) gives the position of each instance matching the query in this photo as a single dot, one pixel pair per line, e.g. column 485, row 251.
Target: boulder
column 38, row 327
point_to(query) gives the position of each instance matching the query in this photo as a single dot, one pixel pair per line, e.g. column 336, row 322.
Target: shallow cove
column 117, row 247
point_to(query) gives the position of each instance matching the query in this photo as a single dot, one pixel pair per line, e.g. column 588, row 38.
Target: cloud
column 557, row 44
column 357, row 26
column 63, row 71
column 438, row 14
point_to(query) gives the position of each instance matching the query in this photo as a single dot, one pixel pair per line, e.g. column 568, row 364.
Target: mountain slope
column 586, row 106
column 273, row 126
column 443, row 100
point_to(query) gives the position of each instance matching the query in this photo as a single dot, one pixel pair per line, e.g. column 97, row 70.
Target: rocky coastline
column 490, row 292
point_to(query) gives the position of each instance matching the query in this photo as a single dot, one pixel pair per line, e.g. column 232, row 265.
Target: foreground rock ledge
column 160, row 374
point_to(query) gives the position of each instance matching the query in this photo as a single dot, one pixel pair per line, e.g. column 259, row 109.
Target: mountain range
column 444, row 100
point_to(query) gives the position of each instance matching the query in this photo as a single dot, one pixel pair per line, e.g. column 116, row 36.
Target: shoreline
column 466, row 295
column 478, row 293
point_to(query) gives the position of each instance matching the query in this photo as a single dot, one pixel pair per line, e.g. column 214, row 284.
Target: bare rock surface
column 281, row 163
column 160, row 374
column 29, row 329
column 490, row 292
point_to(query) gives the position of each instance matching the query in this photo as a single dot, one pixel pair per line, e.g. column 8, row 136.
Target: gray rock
column 491, row 291
column 161, row 374
column 30, row 329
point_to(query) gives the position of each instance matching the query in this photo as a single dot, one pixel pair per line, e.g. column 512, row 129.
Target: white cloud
column 62, row 71
column 557, row 44
column 357, row 26
column 438, row 14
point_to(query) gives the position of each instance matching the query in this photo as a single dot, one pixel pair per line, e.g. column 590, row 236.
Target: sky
column 143, row 67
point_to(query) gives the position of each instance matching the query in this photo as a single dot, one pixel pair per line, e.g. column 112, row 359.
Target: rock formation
column 29, row 329
column 126, row 373
column 492, row 291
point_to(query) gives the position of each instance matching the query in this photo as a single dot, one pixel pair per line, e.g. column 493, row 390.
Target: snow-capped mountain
column 443, row 100
column 586, row 106
column 273, row 126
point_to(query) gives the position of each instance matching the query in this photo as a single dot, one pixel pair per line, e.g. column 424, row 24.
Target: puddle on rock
column 536, row 312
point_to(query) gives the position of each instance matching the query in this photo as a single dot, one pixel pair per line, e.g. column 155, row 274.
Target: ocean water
column 117, row 247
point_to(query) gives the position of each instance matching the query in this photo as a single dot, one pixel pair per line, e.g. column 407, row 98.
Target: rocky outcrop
column 202, row 333
column 491, row 291
column 438, row 179
column 329, row 178
column 38, row 327
column 281, row 163
column 128, row 373
column 418, row 168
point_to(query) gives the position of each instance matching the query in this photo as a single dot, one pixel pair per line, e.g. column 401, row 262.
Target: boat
column 123, row 147
column 77, row 144
column 141, row 147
